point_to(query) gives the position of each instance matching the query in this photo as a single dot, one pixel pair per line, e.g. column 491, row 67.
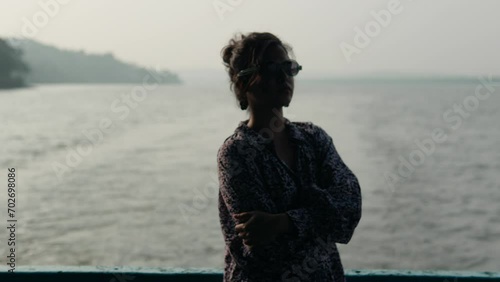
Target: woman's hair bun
column 227, row 53
column 242, row 51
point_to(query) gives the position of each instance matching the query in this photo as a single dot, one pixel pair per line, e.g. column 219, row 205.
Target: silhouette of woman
column 285, row 197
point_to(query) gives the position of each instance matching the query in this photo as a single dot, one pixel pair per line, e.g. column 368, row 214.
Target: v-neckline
column 292, row 170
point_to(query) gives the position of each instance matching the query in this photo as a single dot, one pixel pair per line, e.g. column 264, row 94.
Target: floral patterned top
column 320, row 194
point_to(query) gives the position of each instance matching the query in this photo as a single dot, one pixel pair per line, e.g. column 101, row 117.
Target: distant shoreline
column 49, row 64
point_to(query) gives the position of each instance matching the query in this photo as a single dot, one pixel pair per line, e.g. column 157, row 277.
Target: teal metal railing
column 147, row 274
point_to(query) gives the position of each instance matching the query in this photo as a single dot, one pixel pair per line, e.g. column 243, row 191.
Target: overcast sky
column 424, row 36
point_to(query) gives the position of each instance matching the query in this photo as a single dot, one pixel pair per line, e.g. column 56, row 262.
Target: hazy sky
column 423, row 36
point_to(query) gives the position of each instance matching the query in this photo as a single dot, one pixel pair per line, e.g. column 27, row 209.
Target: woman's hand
column 261, row 228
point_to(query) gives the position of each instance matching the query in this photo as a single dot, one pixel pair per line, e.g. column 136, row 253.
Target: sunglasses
column 290, row 67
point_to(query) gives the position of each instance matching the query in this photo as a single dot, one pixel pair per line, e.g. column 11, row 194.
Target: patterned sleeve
column 238, row 187
column 331, row 207
column 240, row 190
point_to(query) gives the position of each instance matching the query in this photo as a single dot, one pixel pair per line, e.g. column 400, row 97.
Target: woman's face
column 273, row 91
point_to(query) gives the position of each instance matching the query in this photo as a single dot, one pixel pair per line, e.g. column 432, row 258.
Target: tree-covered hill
column 12, row 68
column 49, row 64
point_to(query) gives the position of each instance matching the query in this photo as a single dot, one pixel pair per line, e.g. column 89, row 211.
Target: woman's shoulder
column 312, row 131
column 229, row 145
column 234, row 146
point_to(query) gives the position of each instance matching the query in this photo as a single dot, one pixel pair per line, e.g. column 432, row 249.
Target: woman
column 285, row 197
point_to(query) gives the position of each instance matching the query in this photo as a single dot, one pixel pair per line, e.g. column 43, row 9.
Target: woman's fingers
column 248, row 242
column 244, row 235
column 245, row 226
column 239, row 227
column 242, row 217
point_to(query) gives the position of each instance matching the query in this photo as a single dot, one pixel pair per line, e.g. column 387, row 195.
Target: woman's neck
column 267, row 119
